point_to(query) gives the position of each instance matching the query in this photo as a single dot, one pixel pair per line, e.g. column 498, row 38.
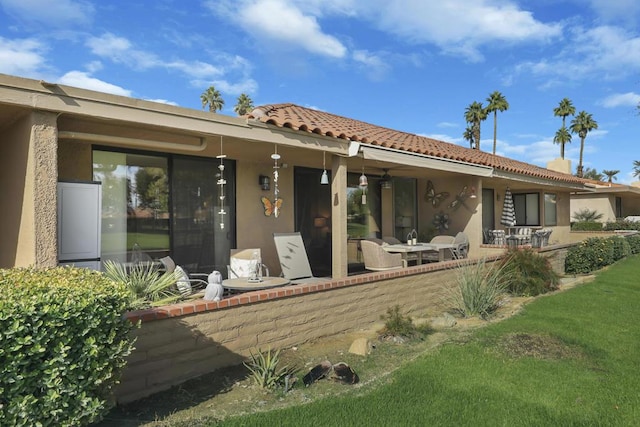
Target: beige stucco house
column 161, row 177
column 614, row 201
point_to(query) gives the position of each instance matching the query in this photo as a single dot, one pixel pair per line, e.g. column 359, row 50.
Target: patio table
column 244, row 284
column 419, row 248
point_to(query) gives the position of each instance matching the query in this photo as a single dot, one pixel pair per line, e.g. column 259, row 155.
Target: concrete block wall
column 183, row 341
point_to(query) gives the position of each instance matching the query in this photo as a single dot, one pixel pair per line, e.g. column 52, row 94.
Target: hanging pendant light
column 276, row 191
column 363, row 185
column 324, row 179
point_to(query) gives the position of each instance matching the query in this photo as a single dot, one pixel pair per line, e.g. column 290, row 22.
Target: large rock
column 444, row 321
column 361, row 346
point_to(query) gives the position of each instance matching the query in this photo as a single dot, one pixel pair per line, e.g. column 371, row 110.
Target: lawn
column 570, row 358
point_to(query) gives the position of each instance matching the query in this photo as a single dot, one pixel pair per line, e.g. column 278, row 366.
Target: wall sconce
column 473, row 193
column 320, row 222
column 265, row 182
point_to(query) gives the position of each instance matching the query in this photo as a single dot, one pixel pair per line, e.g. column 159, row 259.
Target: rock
column 444, row 321
column 361, row 347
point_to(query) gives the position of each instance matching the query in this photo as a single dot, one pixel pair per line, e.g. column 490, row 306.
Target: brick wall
column 183, row 341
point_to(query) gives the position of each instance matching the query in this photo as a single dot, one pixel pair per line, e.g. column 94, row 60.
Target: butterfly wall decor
column 460, row 199
column 271, row 208
column 434, row 198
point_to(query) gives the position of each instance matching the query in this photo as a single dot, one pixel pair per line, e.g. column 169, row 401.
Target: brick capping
column 200, row 305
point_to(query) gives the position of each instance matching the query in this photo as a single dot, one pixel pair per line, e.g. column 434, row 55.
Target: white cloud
column 163, row 101
column 629, row 99
column 617, row 10
column 606, row 52
column 84, row 80
column 22, row 57
column 61, row 14
column 281, row 23
column 461, row 27
column 375, row 67
column 447, row 125
column 120, row 50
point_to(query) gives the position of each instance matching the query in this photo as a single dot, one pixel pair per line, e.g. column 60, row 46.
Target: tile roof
column 322, row 123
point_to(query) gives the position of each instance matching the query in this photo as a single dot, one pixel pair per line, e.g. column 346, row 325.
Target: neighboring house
column 162, row 182
column 613, row 201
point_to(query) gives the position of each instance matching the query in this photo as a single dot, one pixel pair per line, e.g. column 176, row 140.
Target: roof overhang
column 390, row 155
column 540, row 181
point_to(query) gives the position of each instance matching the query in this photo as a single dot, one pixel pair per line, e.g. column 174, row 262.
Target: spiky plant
column 265, row 371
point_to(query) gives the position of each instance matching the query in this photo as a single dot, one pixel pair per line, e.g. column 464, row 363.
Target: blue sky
column 410, row 65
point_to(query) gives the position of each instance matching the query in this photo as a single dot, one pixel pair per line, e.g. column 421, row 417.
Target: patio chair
column 242, row 263
column 293, row 258
column 498, row 237
column 434, row 256
column 188, row 285
column 461, row 248
column 377, row 259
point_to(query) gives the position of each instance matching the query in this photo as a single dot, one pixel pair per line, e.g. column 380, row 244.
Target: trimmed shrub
column 586, row 226
column 622, row 225
column 63, row 343
column 621, row 248
column 634, row 243
column 528, row 273
column 590, row 255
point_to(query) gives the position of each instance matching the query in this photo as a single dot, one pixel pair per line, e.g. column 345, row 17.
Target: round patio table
column 244, row 284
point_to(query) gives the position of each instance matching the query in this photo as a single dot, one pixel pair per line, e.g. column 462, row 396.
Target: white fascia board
column 424, row 161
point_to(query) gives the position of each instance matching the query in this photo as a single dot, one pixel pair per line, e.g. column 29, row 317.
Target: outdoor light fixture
column 265, row 182
column 473, row 193
column 324, row 179
column 385, row 181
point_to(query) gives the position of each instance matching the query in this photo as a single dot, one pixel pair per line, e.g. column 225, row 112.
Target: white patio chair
column 377, row 259
column 188, row 285
column 293, row 258
column 243, row 263
column 461, row 248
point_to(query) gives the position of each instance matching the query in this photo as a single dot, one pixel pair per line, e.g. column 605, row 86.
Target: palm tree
column 636, row 168
column 212, row 98
column 581, row 125
column 468, row 135
column 562, row 137
column 244, row 105
column 475, row 114
column 611, row 174
column 565, row 108
column 592, row 173
column 497, row 102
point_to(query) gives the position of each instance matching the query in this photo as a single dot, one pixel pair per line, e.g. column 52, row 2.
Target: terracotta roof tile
column 314, row 121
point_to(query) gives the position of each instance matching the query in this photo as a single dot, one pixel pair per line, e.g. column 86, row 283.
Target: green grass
column 586, row 373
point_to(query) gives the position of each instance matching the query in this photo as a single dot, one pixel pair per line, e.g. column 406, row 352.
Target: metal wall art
column 441, row 221
column 434, row 198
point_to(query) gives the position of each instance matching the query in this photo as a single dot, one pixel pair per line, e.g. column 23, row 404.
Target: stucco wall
column 601, row 203
column 28, row 192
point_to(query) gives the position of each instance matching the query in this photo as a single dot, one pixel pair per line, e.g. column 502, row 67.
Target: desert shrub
column 634, row 243
column 146, row 287
column 398, row 325
column 586, row 226
column 589, row 255
column 480, row 288
column 63, row 343
column 528, row 273
column 265, row 369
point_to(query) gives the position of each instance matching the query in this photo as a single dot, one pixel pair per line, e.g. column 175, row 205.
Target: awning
column 424, row 161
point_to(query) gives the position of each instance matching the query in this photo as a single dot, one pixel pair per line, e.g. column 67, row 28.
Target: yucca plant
column 480, row 289
column 265, row 371
column 147, row 287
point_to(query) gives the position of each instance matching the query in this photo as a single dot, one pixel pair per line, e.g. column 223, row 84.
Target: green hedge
column 63, row 343
column 622, row 225
column 634, row 243
column 596, row 252
column 586, row 226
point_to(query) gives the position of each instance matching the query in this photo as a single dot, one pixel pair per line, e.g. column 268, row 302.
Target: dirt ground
column 231, row 392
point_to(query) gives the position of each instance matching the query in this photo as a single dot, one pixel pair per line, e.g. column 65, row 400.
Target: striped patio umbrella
column 508, row 217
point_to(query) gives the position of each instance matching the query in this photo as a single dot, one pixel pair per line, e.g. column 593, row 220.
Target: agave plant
column 147, row 287
column 264, row 369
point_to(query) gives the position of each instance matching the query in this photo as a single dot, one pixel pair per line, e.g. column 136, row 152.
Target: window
column 363, row 219
column 550, row 209
column 527, row 207
column 404, row 203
